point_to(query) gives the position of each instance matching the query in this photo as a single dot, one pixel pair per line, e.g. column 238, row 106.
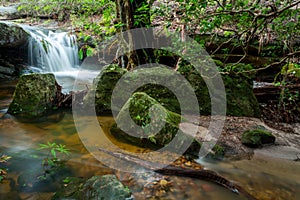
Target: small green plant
column 53, row 160
column 289, row 99
column 3, row 159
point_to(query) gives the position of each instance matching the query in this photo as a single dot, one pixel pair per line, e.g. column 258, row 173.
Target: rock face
column 239, row 93
column 34, row 95
column 13, row 50
column 12, row 35
column 106, row 187
column 156, row 126
column 257, row 137
column 240, row 98
column 102, row 91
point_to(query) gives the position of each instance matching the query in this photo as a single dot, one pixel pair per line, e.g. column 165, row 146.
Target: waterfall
column 57, row 53
column 52, row 51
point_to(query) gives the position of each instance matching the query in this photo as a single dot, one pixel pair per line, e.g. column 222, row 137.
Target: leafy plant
column 289, row 100
column 3, row 171
column 53, row 160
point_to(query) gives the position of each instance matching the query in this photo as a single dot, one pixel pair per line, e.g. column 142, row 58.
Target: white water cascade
column 57, row 53
column 52, row 51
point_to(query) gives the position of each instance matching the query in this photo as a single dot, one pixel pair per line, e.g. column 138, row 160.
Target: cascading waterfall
column 57, row 53
column 52, row 51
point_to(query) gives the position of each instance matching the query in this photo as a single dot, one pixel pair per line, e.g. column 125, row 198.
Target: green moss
column 106, row 82
column 257, row 137
column 146, row 135
column 218, row 152
column 241, row 100
column 239, row 92
column 34, row 95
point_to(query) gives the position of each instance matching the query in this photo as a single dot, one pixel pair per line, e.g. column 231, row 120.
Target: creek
column 264, row 177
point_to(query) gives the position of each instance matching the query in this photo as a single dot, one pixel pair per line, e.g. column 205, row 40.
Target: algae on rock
column 106, row 187
column 144, row 122
column 240, row 98
column 12, row 35
column 103, row 86
column 257, row 137
column 34, row 95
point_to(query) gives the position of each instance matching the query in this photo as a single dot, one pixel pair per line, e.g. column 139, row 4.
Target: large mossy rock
column 240, row 98
column 257, row 137
column 12, row 35
column 152, row 125
column 34, row 95
column 105, row 83
column 106, row 187
column 239, row 90
column 101, row 92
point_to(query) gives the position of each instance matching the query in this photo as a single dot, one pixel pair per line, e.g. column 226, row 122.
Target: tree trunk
column 130, row 16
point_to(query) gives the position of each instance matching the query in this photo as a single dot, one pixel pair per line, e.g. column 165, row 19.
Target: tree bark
column 131, row 16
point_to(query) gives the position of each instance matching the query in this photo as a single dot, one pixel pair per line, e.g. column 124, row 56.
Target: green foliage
column 53, row 159
column 3, row 171
column 289, row 100
column 257, row 137
column 88, row 16
column 241, row 21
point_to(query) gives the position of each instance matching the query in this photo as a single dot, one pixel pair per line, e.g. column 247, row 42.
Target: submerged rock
column 34, row 95
column 257, row 137
column 106, row 187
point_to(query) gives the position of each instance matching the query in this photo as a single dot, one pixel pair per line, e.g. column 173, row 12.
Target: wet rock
column 257, row 137
column 12, row 35
column 152, row 124
column 110, row 75
column 106, row 187
column 240, row 98
column 33, row 96
column 102, row 89
column 39, row 181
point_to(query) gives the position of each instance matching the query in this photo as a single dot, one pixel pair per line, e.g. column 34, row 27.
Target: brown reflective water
column 263, row 177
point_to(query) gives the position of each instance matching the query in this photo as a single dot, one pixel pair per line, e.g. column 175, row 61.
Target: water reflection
column 263, row 177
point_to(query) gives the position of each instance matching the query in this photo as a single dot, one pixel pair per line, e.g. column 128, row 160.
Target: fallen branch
column 179, row 171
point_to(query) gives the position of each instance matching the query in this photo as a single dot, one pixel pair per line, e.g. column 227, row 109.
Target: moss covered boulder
column 34, row 95
column 12, row 35
column 106, row 187
column 257, row 137
column 241, row 100
column 144, row 122
column 100, row 94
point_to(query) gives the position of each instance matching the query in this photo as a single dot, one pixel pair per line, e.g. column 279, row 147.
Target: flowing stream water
column 266, row 178
column 57, row 53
